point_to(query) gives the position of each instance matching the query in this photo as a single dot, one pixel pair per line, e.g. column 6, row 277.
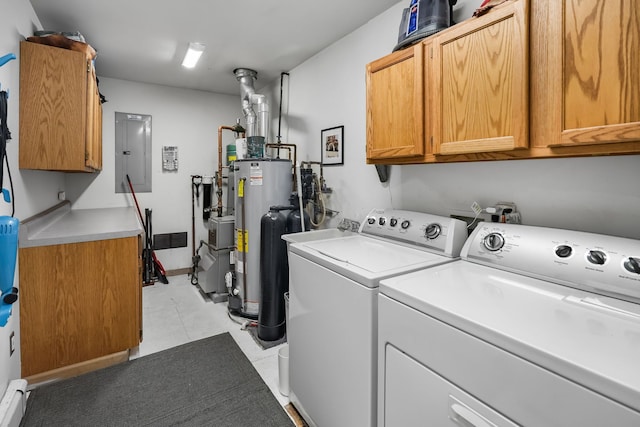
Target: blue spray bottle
column 8, row 252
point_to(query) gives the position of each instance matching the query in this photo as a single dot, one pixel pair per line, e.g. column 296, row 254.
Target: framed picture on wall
column 332, row 146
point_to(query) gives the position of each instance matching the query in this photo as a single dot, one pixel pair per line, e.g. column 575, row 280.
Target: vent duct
column 254, row 106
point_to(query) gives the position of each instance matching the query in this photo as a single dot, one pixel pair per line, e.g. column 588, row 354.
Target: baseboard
column 13, row 404
column 295, row 415
column 179, row 271
column 77, row 369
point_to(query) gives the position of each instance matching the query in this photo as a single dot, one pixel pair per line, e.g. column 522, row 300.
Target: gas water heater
column 260, row 183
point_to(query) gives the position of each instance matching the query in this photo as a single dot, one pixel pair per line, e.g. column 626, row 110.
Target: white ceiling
column 145, row 40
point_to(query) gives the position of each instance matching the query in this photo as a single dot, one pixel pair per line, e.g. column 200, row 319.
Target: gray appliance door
column 414, row 395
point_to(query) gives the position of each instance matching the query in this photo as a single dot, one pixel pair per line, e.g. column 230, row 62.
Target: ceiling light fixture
column 193, row 55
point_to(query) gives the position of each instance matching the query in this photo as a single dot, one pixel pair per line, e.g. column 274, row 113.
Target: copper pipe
column 290, row 147
column 238, row 130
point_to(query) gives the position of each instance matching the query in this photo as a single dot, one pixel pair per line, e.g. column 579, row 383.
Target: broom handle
column 135, row 199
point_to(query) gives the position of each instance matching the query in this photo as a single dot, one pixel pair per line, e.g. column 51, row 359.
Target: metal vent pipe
column 257, row 123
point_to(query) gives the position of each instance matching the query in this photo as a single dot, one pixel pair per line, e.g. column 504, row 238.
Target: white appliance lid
column 591, row 339
column 375, row 256
column 366, row 259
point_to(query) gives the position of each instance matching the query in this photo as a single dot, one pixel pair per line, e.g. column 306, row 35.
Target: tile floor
column 178, row 313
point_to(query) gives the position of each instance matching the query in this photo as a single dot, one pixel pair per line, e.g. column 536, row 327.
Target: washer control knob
column 597, row 257
column 632, row 265
column 432, row 231
column 371, row 220
column 393, row 222
column 382, row 220
column 493, row 242
column 405, row 224
column 564, row 251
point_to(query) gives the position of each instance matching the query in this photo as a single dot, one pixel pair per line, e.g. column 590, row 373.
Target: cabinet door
column 94, row 122
column 56, row 85
column 594, row 88
column 78, row 302
column 395, row 105
column 481, row 83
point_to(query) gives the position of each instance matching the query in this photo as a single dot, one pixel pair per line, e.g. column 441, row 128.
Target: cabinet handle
column 126, row 153
column 466, row 417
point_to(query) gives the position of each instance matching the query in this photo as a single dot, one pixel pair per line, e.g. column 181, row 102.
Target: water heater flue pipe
column 257, row 123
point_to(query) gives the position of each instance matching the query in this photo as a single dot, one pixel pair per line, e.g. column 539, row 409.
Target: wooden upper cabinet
column 481, row 85
column 396, row 105
column 60, row 111
column 593, row 88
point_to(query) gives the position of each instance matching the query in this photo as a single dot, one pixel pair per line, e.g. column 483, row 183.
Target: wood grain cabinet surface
column 588, row 87
column 78, row 302
column 60, row 110
column 396, row 105
column 529, row 79
column 481, row 85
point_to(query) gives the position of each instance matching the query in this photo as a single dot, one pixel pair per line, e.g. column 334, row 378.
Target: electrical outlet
column 12, row 343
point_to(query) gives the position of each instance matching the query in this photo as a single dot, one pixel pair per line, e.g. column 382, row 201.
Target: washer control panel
column 593, row 262
column 436, row 233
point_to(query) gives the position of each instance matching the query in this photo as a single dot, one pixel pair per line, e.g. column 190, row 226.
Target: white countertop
column 63, row 225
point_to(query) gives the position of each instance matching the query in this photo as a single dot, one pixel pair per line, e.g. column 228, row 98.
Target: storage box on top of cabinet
column 60, row 111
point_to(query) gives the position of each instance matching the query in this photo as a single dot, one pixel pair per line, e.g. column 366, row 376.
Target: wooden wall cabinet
column 587, row 88
column 60, row 110
column 396, row 94
column 481, row 83
column 529, row 79
column 79, row 302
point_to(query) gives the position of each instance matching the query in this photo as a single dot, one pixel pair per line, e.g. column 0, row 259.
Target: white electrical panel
column 170, row 158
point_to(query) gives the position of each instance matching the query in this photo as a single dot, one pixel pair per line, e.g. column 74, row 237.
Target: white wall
column 185, row 118
column 34, row 190
column 596, row 194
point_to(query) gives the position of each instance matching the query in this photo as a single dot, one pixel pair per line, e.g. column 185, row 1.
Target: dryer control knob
column 596, row 257
column 405, row 224
column 432, row 231
column 564, row 251
column 493, row 242
column 393, row 222
column 371, row 221
column 632, row 265
column 382, row 220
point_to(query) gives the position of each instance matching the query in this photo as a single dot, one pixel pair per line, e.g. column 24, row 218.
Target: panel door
column 595, row 92
column 396, row 105
column 481, row 83
column 79, row 302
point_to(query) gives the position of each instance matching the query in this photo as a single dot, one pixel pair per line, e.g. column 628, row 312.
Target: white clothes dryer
column 532, row 326
column 333, row 288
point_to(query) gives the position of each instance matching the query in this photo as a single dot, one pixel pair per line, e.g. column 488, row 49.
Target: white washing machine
column 333, row 291
column 532, row 326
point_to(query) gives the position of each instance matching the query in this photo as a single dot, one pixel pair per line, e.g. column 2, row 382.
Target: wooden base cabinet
column 78, row 302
